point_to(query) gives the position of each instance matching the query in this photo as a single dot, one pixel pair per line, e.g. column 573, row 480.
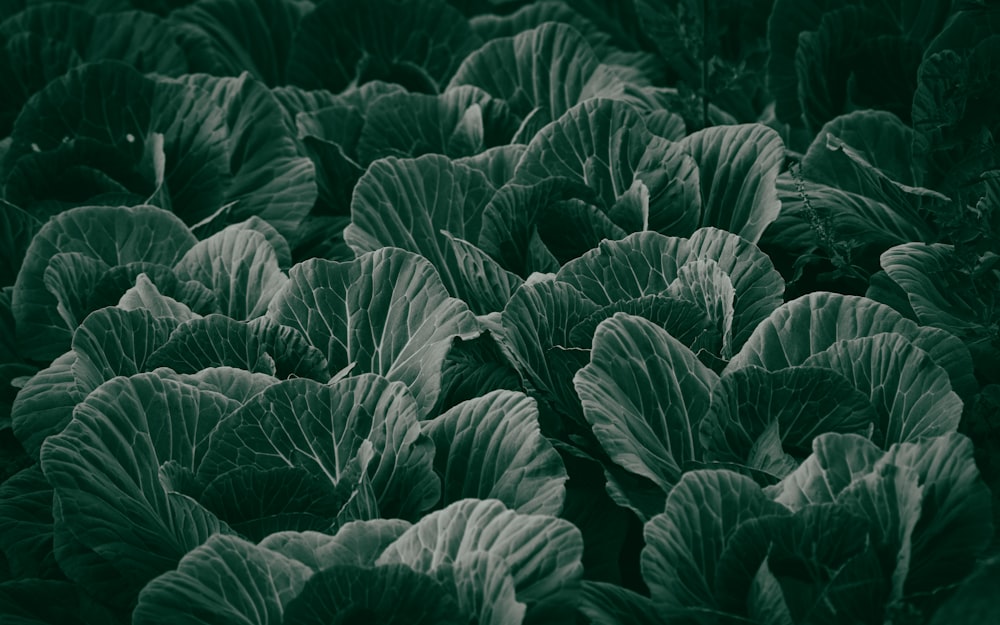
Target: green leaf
column 955, row 525
column 386, row 312
column 225, row 580
column 837, row 460
column 536, row 323
column 706, row 285
column 484, row 285
column 685, row 542
column 910, row 393
column 358, row 543
column 644, row 394
column 77, row 128
column 550, row 69
column 491, row 447
column 111, row 235
column 412, row 204
column 648, row 263
column 604, row 144
column 542, row 552
column 346, row 44
column 259, row 502
column 890, row 497
column 738, row 167
column 147, row 297
column 213, row 341
column 795, row 405
column 45, row 404
column 104, row 467
column 239, row 266
column 385, row 594
column 945, row 295
column 811, row 323
column 462, row 121
column 609, row 604
column 330, row 430
column 269, row 177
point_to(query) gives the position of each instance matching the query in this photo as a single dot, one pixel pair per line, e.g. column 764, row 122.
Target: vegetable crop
column 498, row 312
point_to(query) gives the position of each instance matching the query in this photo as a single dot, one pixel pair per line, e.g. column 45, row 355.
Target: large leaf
column 542, row 552
column 213, row 341
column 109, row 343
column 17, row 228
column 361, row 424
column 462, row 121
column 926, row 500
column 105, row 470
column 648, row 263
column 358, row 543
column 386, row 595
column 346, row 44
column 491, row 447
column 535, row 334
column 644, row 394
column 955, row 524
column 239, row 266
column 910, row 393
column 41, row 43
column 226, row 580
column 160, row 139
column 548, row 69
column 945, row 295
column 816, row 565
column 738, row 167
column 45, row 403
column 767, row 420
column 605, row 145
column 386, row 312
column 685, row 542
column 811, row 323
column 212, row 149
column 112, row 235
column 270, row 178
column 414, row 204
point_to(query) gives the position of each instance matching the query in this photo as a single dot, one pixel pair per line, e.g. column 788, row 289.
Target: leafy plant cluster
column 498, row 312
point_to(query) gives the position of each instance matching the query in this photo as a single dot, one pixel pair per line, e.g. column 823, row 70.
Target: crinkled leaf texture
column 387, row 312
column 214, row 150
column 944, row 295
column 910, row 393
column 109, row 236
column 738, row 169
column 649, row 263
column 541, row 73
column 685, row 542
column 644, row 394
column 359, row 429
column 535, row 556
column 491, row 447
column 105, row 469
column 605, row 145
column 928, row 506
column 810, row 324
column 227, row 579
column 767, row 420
column 423, row 205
